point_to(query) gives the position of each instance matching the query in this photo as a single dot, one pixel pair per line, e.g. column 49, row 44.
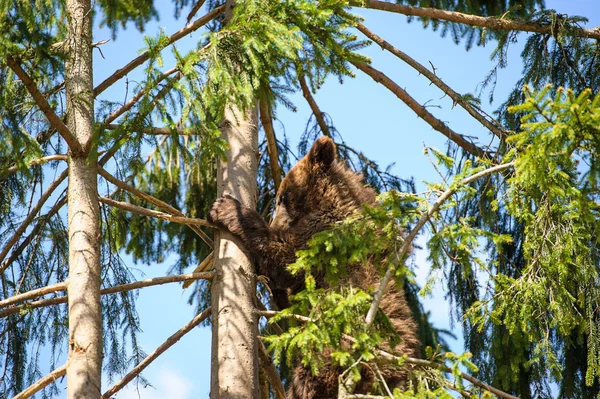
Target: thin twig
column 267, row 123
column 161, row 204
column 163, row 347
column 41, row 101
column 400, row 255
column 494, row 23
column 17, row 235
column 496, row 129
column 420, row 110
column 34, row 232
column 112, row 290
column 119, row 73
column 42, row 383
column 313, row 105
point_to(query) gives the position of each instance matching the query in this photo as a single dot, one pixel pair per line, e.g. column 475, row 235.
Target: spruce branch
column 155, row 201
column 267, row 123
column 34, row 211
column 406, row 245
column 41, row 101
column 158, row 131
column 157, row 352
column 271, row 371
column 420, row 110
column 407, row 360
column 42, row 383
column 313, row 104
column 494, row 23
column 111, row 290
column 495, row 127
column 152, row 213
column 119, row 73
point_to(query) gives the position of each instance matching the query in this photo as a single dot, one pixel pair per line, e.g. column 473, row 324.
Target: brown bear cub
column 317, row 192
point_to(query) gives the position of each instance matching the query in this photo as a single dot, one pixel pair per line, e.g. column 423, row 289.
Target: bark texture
column 234, row 321
column 85, row 313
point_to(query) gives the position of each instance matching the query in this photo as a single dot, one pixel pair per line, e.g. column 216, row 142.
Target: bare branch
column 112, row 290
column 420, row 110
column 161, row 204
column 313, row 105
column 17, row 235
column 400, row 255
column 155, row 214
column 271, row 371
column 267, row 123
column 194, row 10
column 42, row 383
column 145, row 56
column 39, row 161
column 204, row 265
column 494, row 23
column 496, row 129
column 33, row 294
column 162, row 348
column 41, row 101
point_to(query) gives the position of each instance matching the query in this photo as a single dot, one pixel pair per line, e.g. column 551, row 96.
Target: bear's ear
column 322, row 152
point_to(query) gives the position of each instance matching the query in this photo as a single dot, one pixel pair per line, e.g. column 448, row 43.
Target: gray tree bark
column 84, row 365
column 234, row 371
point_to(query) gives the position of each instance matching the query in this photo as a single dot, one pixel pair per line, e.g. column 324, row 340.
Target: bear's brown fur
column 317, row 192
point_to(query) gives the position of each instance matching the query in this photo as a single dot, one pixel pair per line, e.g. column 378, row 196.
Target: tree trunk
column 234, row 333
column 85, row 314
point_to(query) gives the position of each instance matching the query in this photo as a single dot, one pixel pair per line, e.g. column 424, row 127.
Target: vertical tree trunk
column 85, row 315
column 234, row 334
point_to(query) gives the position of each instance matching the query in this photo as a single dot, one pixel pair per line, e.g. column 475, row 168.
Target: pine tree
column 523, row 210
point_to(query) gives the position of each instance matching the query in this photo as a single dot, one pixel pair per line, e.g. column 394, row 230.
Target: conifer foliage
column 511, row 227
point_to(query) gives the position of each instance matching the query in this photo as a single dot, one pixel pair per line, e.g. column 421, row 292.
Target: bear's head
column 319, row 191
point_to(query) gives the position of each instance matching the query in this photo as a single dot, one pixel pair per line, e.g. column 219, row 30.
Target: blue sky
column 368, row 116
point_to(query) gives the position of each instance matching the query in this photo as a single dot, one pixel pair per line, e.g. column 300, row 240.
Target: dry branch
column 408, row 360
column 271, row 371
column 34, row 211
column 420, row 110
column 155, row 201
column 112, row 290
column 39, row 161
column 267, row 123
column 204, row 265
column 496, row 129
column 33, row 294
column 145, row 56
column 494, row 23
column 163, row 347
column 41, row 101
column 42, row 383
column 313, row 105
column 126, row 206
column 400, row 255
